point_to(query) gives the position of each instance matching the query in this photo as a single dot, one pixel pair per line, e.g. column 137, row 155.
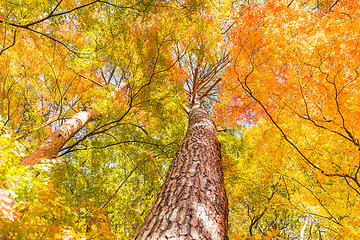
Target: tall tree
column 192, row 201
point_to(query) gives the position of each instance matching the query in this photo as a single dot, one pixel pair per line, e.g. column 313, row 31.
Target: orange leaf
column 235, row 236
column 275, row 232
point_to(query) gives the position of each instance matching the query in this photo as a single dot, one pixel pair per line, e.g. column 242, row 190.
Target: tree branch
column 209, row 89
column 12, row 44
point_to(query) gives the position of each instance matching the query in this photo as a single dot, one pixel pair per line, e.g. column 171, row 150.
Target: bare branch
column 186, row 109
column 209, row 89
column 333, row 5
column 290, row 3
column 88, row 79
column 12, row 44
column 120, row 185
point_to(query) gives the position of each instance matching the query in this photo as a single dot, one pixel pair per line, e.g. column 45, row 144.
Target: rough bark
column 192, row 203
column 55, row 142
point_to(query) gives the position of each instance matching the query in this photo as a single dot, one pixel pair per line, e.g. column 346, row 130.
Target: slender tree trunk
column 303, row 229
column 55, row 142
column 192, row 203
column 48, row 149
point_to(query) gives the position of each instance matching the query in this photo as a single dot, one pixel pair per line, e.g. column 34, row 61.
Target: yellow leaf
column 275, row 232
column 279, row 238
column 235, row 236
column 257, row 236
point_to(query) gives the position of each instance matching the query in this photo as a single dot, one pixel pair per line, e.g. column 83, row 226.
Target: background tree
column 294, row 69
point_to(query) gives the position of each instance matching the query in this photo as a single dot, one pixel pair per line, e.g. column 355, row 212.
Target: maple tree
column 294, row 77
column 280, row 76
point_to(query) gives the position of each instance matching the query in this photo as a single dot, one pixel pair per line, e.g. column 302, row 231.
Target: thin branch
column 54, row 40
column 111, row 75
column 13, row 43
column 88, row 79
column 97, row 131
column 209, row 89
column 47, row 123
column 319, row 201
column 289, row 200
column 186, row 109
column 248, row 90
column 333, row 5
column 120, row 185
column 290, row 3
column 114, row 144
column 348, row 183
column 52, row 15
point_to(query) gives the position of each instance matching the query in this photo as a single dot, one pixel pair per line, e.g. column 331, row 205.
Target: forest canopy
column 117, row 81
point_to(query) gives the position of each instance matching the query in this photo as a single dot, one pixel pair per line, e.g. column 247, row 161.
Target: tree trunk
column 53, row 144
column 303, row 229
column 48, row 149
column 192, row 203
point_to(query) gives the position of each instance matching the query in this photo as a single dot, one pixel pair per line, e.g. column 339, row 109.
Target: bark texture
column 55, row 142
column 192, row 203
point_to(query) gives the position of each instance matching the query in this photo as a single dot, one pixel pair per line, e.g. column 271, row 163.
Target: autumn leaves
column 281, row 76
column 295, row 71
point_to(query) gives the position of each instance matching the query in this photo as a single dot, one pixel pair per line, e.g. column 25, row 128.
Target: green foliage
column 88, row 179
column 39, row 210
column 10, row 152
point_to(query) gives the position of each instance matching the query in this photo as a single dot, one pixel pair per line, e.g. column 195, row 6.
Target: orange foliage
column 296, row 67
